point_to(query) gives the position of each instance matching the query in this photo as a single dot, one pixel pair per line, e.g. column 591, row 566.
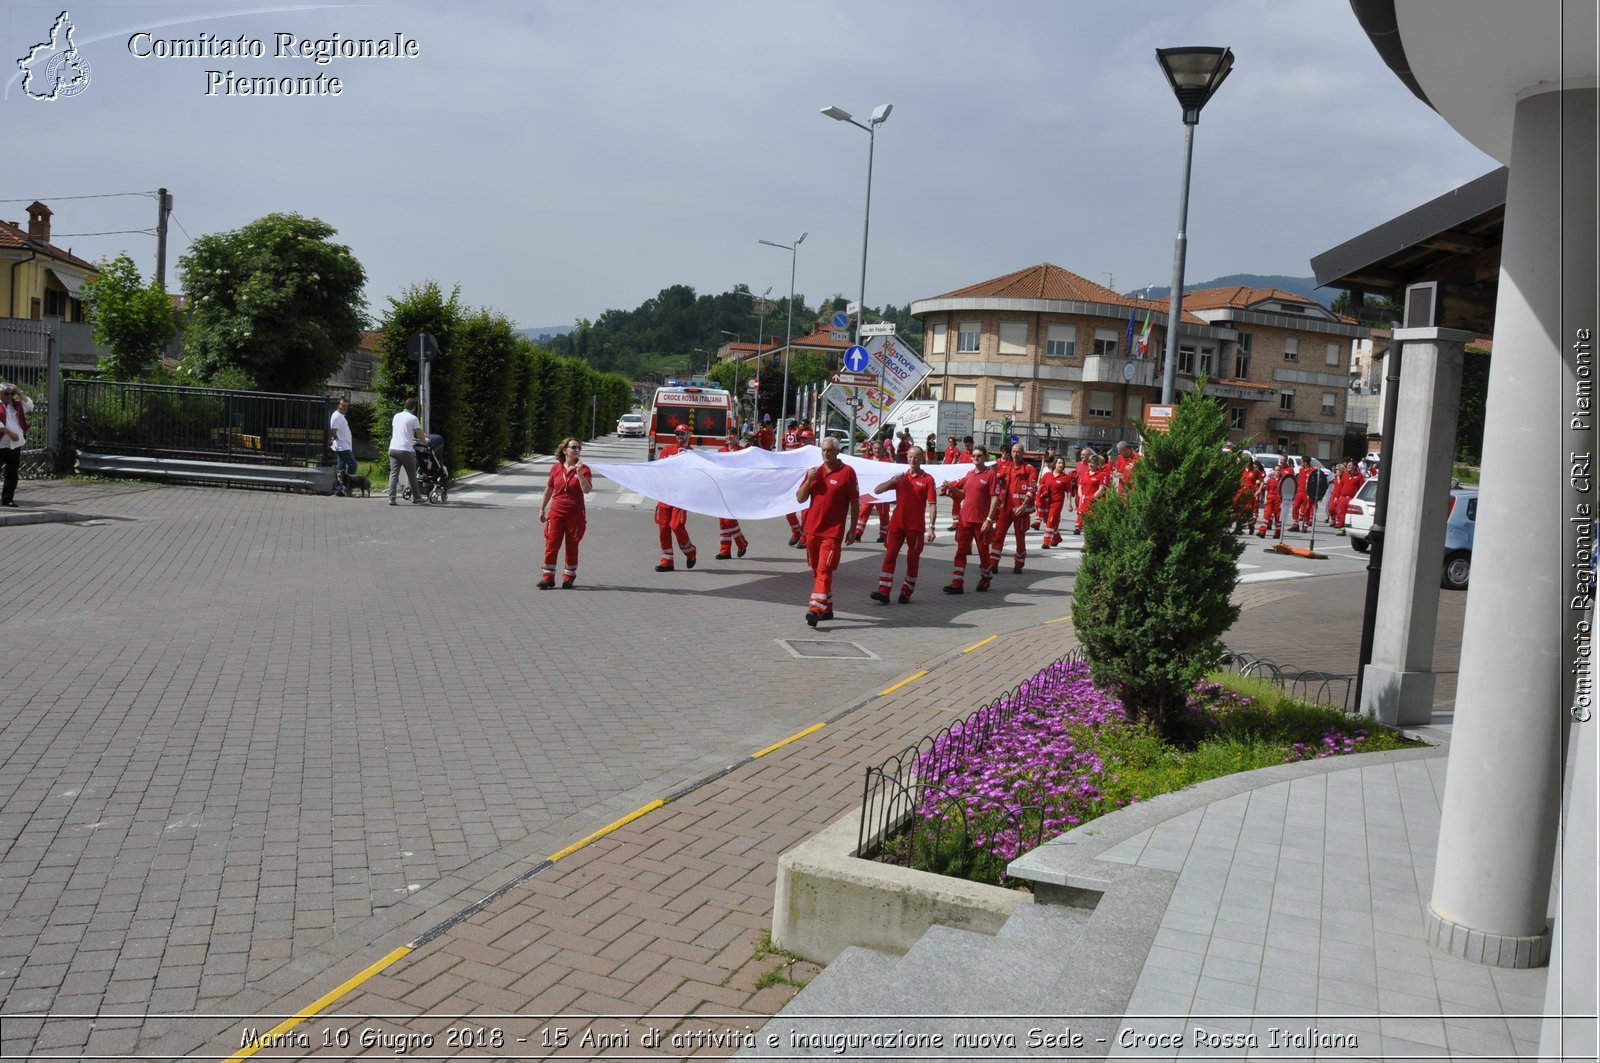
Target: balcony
column 1111, row 369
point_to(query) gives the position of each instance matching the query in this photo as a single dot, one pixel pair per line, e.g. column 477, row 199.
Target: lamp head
column 800, row 241
column 1195, row 75
column 837, row 114
column 882, row 112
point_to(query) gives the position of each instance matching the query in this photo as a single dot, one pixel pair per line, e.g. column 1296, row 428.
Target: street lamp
column 879, row 116
column 788, row 339
column 1195, row 74
column 737, row 339
column 699, row 350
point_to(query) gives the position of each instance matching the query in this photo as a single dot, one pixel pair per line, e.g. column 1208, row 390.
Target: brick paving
column 292, row 734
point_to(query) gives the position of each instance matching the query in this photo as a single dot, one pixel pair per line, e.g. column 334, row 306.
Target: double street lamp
column 788, row 339
column 738, row 338
column 1195, row 74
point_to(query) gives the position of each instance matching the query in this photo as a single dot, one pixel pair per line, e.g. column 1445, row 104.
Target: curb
column 47, row 516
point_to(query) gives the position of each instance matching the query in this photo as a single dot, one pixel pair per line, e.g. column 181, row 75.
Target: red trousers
column 672, row 521
column 729, row 536
column 822, row 554
column 563, row 530
column 1052, row 523
column 966, row 535
column 891, row 553
column 866, row 514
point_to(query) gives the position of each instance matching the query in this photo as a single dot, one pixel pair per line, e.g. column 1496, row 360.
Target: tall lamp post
column 788, row 339
column 879, row 116
column 1195, row 74
column 738, row 338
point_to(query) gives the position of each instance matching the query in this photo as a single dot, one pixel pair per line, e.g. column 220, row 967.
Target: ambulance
column 707, row 411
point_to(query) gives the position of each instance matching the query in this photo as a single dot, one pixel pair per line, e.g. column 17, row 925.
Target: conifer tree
column 1160, row 563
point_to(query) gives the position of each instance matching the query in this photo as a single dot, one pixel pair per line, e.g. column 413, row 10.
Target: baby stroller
column 433, row 477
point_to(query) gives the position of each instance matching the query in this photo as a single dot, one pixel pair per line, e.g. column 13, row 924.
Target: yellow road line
column 985, row 642
column 316, row 1006
column 786, row 741
column 1058, row 619
column 607, row 829
column 903, row 682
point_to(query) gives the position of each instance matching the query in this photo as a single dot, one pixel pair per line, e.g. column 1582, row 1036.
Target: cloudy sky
column 555, row 158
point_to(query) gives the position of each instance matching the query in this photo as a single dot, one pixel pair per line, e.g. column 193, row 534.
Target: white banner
column 898, row 368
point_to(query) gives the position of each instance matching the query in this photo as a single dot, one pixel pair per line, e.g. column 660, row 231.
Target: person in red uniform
column 1022, row 483
column 764, row 436
column 874, row 452
column 978, row 495
column 1052, row 498
column 791, row 435
column 562, row 513
column 1122, row 472
column 1244, row 499
column 832, row 489
column 903, row 448
column 913, row 490
column 1047, row 461
column 670, row 520
column 1303, row 514
column 1272, row 499
column 1092, row 483
column 1003, row 515
column 808, row 435
column 952, row 453
column 728, row 531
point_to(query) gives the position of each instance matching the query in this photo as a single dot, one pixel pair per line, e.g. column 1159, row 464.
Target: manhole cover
column 827, row 649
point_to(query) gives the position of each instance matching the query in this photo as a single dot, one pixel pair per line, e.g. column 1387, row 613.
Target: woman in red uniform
column 561, row 512
column 1091, row 485
column 1053, row 488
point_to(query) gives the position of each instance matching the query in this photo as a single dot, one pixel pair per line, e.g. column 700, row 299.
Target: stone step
column 838, row 989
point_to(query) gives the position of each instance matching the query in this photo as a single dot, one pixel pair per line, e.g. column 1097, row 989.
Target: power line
column 173, row 215
column 103, row 195
column 110, row 232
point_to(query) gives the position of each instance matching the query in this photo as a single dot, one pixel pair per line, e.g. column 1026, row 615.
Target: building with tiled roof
column 45, row 280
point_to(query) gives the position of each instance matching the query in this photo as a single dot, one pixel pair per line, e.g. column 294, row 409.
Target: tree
column 486, row 345
column 1373, row 305
column 421, row 308
column 1152, row 597
column 276, row 299
column 132, row 320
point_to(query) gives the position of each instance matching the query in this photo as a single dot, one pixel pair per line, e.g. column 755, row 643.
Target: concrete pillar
column 1498, row 825
column 1398, row 685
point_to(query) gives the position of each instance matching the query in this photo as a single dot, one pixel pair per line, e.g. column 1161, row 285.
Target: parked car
column 1296, row 461
column 631, row 424
column 1460, row 524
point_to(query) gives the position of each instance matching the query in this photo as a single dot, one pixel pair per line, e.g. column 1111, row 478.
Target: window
column 1286, row 399
column 1333, row 354
column 1208, row 362
column 1325, row 449
column 1186, row 358
column 1008, row 398
column 1241, row 364
column 1283, row 444
column 1236, row 418
column 965, row 393
column 968, row 342
column 1013, row 337
column 1291, row 349
column 1062, row 342
column 1330, row 404
column 1105, row 341
column 936, row 345
column 1057, row 402
column 1101, row 403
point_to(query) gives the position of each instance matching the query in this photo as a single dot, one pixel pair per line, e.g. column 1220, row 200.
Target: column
column 1398, row 685
column 1498, row 826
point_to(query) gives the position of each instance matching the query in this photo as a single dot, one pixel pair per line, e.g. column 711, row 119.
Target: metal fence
column 909, row 820
column 209, row 424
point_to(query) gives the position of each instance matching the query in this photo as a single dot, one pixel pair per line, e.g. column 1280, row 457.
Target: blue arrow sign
column 856, row 358
column 841, row 319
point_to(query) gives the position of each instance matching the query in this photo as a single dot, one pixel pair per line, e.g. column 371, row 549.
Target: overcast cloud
column 556, row 159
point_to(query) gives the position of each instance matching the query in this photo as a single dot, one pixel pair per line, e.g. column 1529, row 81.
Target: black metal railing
column 195, row 423
column 1319, row 688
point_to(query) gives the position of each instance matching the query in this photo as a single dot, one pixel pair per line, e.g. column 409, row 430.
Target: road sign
column 839, row 337
column 856, row 359
column 1157, row 417
column 854, row 380
column 422, row 347
column 841, row 319
column 878, row 328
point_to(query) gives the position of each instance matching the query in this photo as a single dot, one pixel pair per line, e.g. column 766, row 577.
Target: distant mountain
column 1306, row 286
column 539, row 331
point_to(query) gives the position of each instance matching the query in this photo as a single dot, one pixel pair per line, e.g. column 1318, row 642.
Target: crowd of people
column 1265, row 497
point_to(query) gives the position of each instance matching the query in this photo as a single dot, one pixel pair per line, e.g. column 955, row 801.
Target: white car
column 1358, row 515
column 631, row 424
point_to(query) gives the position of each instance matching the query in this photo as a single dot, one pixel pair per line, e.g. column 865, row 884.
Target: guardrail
column 226, row 473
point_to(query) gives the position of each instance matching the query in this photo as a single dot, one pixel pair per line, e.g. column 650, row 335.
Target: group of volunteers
column 1263, row 496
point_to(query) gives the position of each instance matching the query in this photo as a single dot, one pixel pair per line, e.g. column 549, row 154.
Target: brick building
column 1049, row 351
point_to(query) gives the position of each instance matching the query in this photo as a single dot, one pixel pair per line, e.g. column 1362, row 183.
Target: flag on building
column 1144, row 335
column 1130, row 329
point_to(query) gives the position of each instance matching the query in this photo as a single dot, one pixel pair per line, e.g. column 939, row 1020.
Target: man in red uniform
column 1304, row 514
column 1244, row 499
column 764, row 436
column 1123, row 469
column 873, row 452
column 670, row 520
column 978, row 495
column 903, row 448
column 808, row 435
column 1003, row 514
column 1022, row 484
column 791, row 435
column 1094, row 479
column 1273, row 499
column 833, row 490
column 728, row 530
column 913, row 490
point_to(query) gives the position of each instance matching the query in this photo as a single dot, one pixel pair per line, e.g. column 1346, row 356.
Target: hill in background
column 538, row 332
column 1306, row 286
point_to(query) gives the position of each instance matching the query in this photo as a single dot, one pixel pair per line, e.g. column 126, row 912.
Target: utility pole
column 163, row 208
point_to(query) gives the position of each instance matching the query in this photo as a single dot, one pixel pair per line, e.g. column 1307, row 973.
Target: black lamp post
column 1195, row 74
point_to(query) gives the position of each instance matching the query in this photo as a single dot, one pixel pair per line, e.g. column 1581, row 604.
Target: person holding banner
column 670, row 520
column 830, row 524
column 913, row 489
column 978, row 495
column 729, row 532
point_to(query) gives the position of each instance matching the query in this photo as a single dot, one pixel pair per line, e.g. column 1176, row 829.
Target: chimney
column 39, row 222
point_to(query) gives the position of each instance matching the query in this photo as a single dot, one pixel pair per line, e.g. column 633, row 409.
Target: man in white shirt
column 344, row 455
column 403, row 437
column 14, row 410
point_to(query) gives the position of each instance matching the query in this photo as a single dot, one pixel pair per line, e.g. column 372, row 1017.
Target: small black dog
column 350, row 483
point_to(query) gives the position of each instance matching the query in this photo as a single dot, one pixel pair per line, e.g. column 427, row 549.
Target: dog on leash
column 351, row 482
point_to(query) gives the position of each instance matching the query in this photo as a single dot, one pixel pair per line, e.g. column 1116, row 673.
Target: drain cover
column 826, row 649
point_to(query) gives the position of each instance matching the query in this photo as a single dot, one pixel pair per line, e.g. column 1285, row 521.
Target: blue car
column 1458, row 530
